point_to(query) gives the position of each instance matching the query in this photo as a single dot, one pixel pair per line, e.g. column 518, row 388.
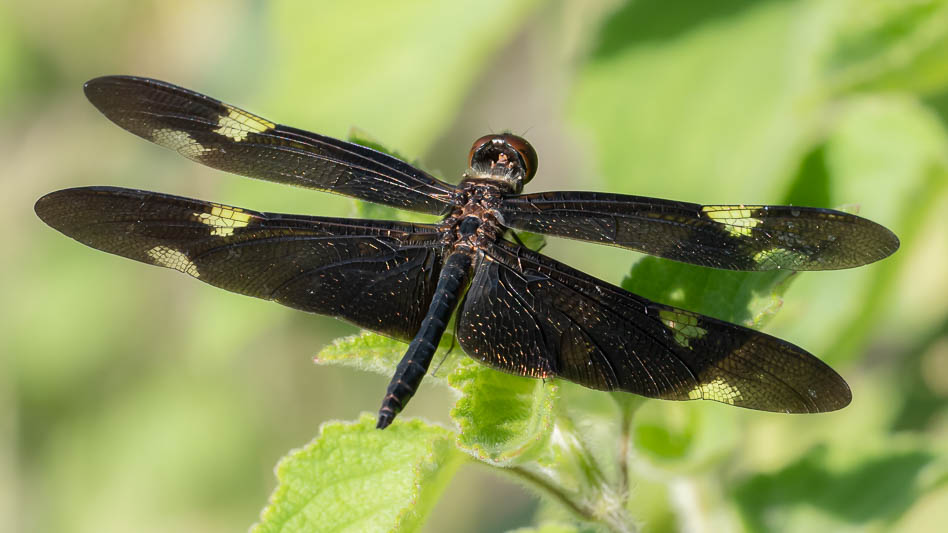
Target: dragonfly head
column 504, row 157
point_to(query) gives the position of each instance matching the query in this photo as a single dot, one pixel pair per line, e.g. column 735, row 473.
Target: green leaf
column 354, row 477
column 874, row 488
column 533, row 241
column 364, row 138
column 504, row 419
column 736, row 91
column 748, row 298
column 685, row 438
column 811, row 186
column 667, row 439
column 375, row 211
column 376, row 353
column 887, row 153
column 889, row 44
column 719, row 118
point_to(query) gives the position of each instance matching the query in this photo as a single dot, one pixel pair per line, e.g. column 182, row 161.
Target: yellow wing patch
column 223, row 220
column 684, row 325
column 718, row 390
column 782, row 257
column 737, row 219
column 179, row 141
column 170, row 258
column 237, row 124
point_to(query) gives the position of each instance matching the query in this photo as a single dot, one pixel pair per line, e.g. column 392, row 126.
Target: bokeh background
column 134, row 398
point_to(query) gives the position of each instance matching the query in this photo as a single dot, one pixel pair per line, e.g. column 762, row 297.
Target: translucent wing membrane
column 734, row 237
column 227, row 138
column 378, row 275
column 530, row 315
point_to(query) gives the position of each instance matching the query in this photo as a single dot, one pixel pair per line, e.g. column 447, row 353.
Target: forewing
column 227, row 138
column 530, row 315
column 378, row 275
column 734, row 237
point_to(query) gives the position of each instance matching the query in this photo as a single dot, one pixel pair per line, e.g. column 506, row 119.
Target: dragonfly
column 517, row 310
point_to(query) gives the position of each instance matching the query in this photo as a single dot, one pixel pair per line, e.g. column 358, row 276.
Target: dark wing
column 734, row 237
column 527, row 314
column 378, row 275
column 227, row 138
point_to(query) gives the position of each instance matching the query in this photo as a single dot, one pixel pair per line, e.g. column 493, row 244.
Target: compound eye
column 482, row 142
column 527, row 154
column 505, row 154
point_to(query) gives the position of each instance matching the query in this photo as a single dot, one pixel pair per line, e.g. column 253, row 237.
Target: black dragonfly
column 518, row 310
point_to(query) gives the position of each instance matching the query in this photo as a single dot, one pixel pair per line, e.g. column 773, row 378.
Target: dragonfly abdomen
column 414, row 365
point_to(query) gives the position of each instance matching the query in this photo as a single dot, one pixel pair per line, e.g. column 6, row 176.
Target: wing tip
column 43, row 204
column 884, row 241
column 889, row 241
column 101, row 90
column 837, row 395
column 49, row 208
column 881, row 243
column 117, row 79
column 821, row 390
column 48, row 205
column 874, row 242
column 104, row 92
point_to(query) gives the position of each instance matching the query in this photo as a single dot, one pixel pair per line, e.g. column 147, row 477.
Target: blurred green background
column 133, row 398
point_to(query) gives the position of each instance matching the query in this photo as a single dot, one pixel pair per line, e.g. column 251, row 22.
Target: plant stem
column 616, row 521
column 572, row 476
column 625, row 426
column 555, row 491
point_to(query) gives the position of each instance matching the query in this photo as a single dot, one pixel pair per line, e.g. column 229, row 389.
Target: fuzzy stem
column 576, row 480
